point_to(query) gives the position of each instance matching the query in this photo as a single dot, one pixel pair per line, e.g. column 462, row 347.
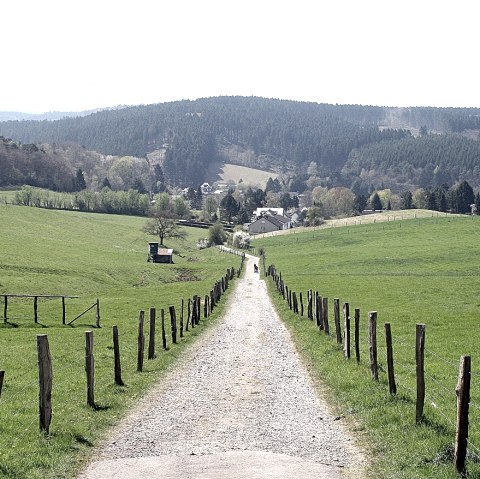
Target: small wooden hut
column 159, row 255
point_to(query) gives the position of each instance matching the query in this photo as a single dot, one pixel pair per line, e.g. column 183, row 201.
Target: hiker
column 255, row 268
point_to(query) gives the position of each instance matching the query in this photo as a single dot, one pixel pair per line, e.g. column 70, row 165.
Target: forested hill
column 273, row 134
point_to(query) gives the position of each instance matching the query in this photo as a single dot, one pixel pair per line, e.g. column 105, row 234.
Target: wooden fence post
column 336, row 312
column 181, row 321
column 35, row 309
column 5, row 307
column 151, row 335
column 164, row 336
column 420, row 362
column 198, row 310
column 173, row 324
column 116, row 357
column 391, row 373
column 90, row 368
column 318, row 310
column 372, row 343
column 326, row 326
column 346, row 319
column 463, row 402
column 44, row 382
column 97, row 315
column 301, row 304
column 64, row 311
column 140, row 342
column 357, row 334
column 2, row 375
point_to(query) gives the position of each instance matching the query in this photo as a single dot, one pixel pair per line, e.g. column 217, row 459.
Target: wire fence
column 433, row 381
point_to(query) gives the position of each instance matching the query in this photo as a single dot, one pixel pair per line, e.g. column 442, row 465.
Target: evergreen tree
column 375, row 202
column 79, row 183
column 407, row 200
column 477, row 203
column 106, row 183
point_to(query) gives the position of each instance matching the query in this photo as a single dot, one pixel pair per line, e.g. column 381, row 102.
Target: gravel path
column 239, row 404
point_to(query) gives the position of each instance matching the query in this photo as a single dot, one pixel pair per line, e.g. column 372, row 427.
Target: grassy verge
column 92, row 256
column 415, row 271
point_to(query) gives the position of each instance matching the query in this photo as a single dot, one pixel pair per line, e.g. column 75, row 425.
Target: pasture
column 412, row 271
column 249, row 176
column 90, row 256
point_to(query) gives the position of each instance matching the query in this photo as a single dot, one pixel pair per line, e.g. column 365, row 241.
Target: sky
column 72, row 55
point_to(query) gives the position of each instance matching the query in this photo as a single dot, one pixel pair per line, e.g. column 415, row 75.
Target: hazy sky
column 72, row 55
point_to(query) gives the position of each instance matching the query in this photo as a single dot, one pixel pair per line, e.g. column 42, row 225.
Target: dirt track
column 240, row 405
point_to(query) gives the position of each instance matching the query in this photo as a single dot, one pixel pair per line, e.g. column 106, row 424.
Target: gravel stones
column 241, row 389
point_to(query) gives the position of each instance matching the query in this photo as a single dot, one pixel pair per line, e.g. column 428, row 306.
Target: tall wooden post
column 346, row 319
column 151, row 335
column 64, row 311
column 326, row 326
column 5, row 307
column 301, row 304
column 357, row 334
column 392, row 386
column 164, row 336
column 44, row 383
column 35, row 309
column 2, row 375
column 97, row 317
column 173, row 324
column 463, row 402
column 181, row 321
column 140, row 341
column 336, row 312
column 90, row 368
column 420, row 362
column 372, row 343
column 116, row 357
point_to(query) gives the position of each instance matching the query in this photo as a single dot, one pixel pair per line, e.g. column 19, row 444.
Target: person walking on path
column 239, row 405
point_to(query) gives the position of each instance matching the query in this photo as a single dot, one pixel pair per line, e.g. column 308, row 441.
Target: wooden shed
column 159, row 255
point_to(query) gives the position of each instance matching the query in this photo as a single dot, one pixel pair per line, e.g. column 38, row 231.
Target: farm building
column 268, row 222
column 159, row 255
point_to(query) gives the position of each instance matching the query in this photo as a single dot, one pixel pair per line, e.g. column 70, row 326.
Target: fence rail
column 45, row 382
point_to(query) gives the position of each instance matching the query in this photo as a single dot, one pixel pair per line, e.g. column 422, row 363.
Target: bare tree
column 164, row 227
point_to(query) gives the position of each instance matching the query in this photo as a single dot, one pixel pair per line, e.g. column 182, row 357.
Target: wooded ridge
column 348, row 145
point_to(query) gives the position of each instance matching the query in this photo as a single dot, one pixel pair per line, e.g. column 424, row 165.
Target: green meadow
column 90, row 256
column 413, row 271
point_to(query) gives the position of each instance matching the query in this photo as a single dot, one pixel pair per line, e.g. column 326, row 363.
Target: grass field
column 249, row 176
column 413, row 271
column 92, row 256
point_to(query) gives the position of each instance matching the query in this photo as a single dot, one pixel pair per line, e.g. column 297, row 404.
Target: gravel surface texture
column 240, row 396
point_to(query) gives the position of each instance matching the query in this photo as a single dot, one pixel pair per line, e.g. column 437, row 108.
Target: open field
column 91, row 256
column 413, row 271
column 228, row 173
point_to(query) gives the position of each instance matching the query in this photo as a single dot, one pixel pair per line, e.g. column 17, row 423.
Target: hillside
column 344, row 144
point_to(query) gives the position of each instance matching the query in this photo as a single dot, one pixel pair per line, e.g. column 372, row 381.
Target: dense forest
column 355, row 146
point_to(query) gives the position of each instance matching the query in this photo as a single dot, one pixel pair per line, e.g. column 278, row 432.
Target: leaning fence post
column 301, row 304
column 391, row 373
column 151, row 335
column 5, row 307
column 420, row 362
column 2, row 375
column 116, row 357
column 372, row 343
column 463, row 400
column 140, row 342
column 44, row 382
column 89, row 368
